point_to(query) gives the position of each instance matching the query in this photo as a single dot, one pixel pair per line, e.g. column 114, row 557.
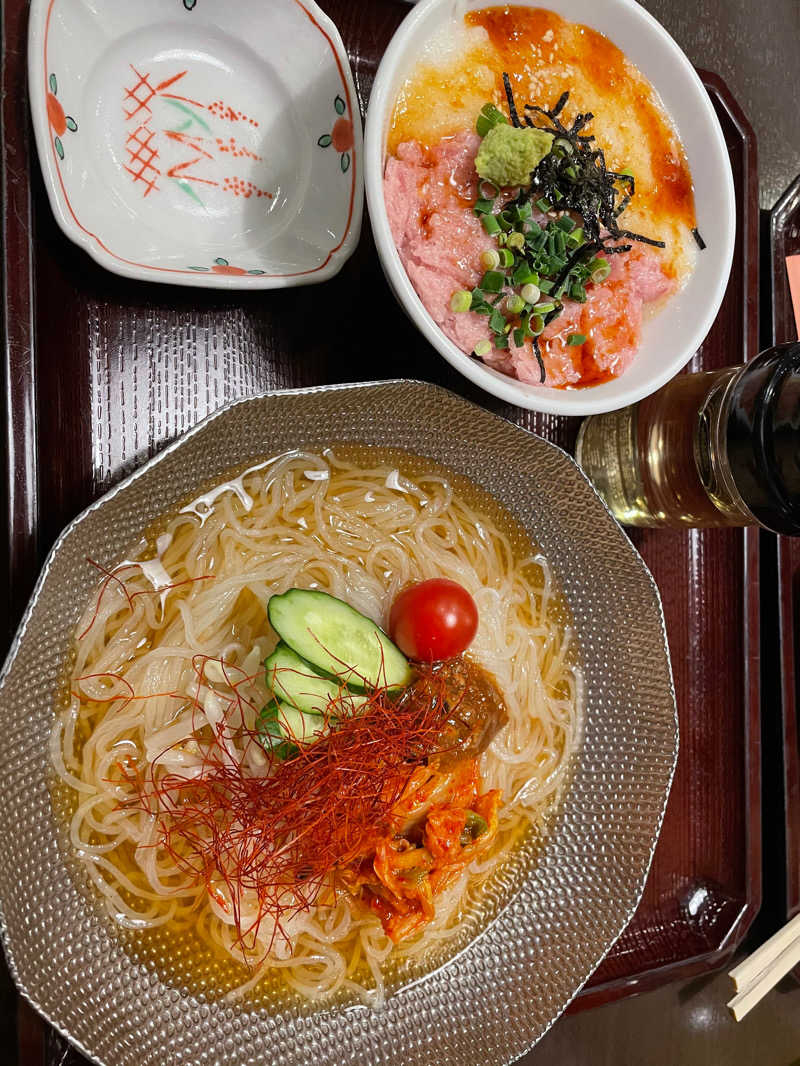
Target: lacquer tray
column 785, row 240
column 101, row 372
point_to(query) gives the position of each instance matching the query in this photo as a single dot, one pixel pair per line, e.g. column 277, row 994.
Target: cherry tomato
column 433, row 620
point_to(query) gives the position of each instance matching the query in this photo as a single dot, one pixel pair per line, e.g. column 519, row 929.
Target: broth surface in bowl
column 180, row 806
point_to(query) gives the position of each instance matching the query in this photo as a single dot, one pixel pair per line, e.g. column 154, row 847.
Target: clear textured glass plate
column 501, row 993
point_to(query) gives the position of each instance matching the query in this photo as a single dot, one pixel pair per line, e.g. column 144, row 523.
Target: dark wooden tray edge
column 21, row 517
column 783, row 329
column 717, row 958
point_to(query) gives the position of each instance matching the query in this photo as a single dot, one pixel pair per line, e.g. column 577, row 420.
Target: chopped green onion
column 489, row 116
column 600, row 269
column 536, row 266
column 482, row 348
column 490, row 224
column 523, row 275
column 492, row 281
column 461, row 300
column 497, row 322
column 553, row 265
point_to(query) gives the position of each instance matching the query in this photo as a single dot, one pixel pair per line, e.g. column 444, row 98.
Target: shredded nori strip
column 579, row 181
column 556, row 111
column 538, row 353
column 701, row 244
column 512, row 109
column 642, row 240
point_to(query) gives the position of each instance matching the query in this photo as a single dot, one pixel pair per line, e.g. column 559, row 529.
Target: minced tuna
column 429, row 193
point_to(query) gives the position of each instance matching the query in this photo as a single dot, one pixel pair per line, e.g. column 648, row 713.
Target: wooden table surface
column 754, row 47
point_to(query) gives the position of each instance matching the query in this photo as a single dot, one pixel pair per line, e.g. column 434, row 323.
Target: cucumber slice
column 295, row 682
column 338, row 640
column 296, row 726
column 282, row 727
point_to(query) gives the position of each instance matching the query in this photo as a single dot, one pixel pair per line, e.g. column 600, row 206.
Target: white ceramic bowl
column 671, row 337
column 198, row 142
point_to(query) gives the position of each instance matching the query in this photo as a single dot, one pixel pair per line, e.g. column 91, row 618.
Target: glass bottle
column 720, row 448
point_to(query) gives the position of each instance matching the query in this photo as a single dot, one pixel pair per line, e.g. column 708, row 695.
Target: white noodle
column 161, row 664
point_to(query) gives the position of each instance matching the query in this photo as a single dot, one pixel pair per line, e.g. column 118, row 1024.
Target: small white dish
column 199, row 142
column 672, row 336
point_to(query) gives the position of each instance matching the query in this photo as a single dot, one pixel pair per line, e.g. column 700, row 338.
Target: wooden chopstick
column 754, row 977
